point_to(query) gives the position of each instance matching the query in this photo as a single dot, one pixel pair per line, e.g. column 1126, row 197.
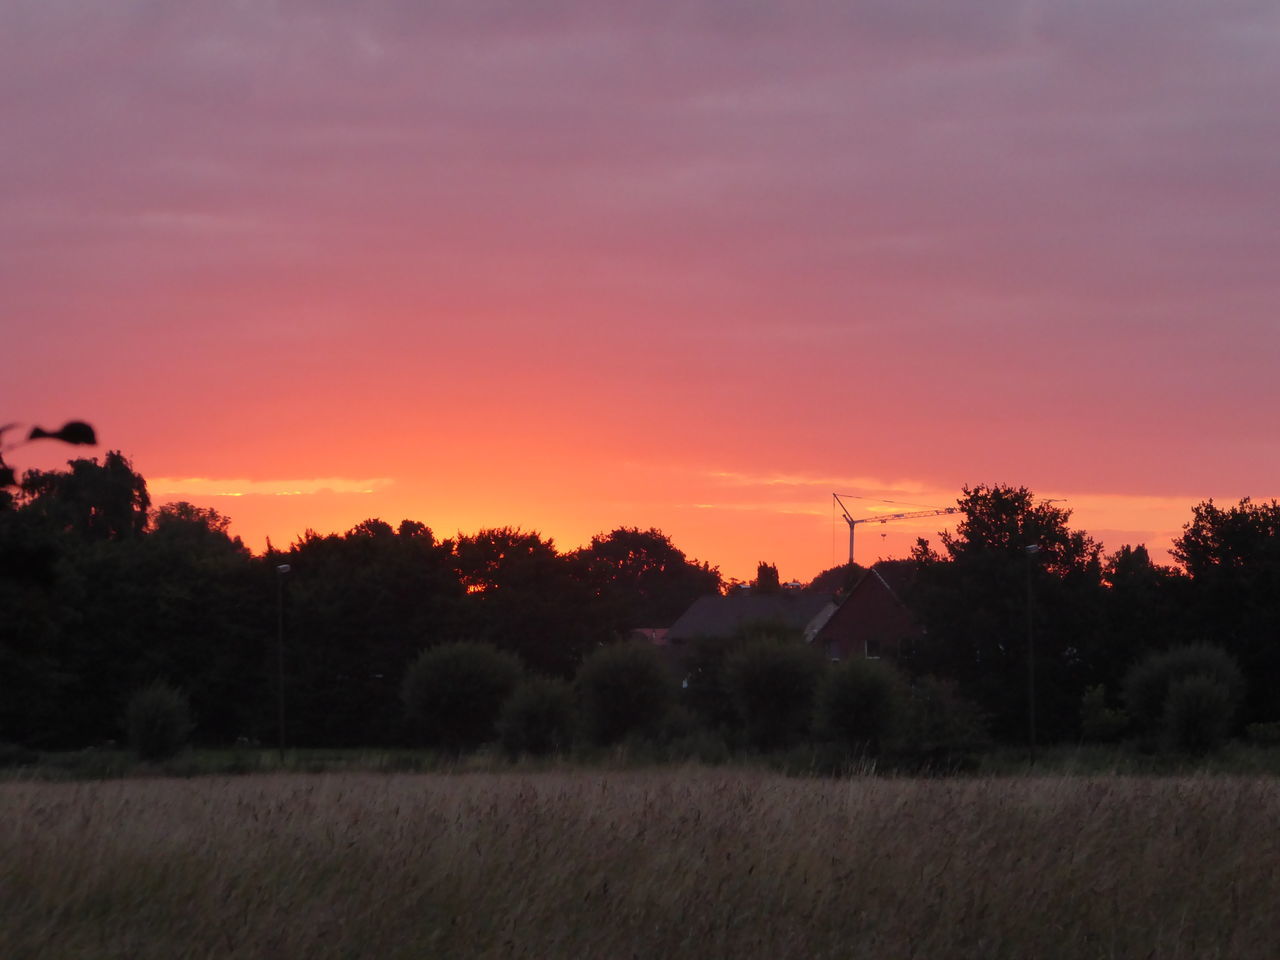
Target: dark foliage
column 641, row 579
column 1099, row 721
column 1144, row 608
column 837, row 579
column 75, row 432
column 102, row 594
column 624, row 691
column 1198, row 712
column 523, row 596
column 1232, row 559
column 974, row 598
column 453, row 693
column 359, row 607
column 861, row 705
column 158, row 721
column 943, row 729
column 16, row 755
column 538, row 718
column 706, row 690
column 767, row 580
column 106, row 501
column 773, row 684
column 1148, row 684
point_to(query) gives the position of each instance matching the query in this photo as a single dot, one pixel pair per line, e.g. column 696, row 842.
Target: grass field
column 672, row 863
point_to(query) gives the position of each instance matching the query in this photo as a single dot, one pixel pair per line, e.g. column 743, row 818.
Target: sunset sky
column 570, row 266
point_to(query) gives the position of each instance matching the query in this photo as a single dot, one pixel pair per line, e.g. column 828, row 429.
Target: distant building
column 720, row 617
column 874, row 619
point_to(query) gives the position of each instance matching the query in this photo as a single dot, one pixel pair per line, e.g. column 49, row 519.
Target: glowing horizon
column 576, row 267
column 1110, row 518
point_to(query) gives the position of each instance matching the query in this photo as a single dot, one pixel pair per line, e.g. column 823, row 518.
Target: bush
column 701, row 746
column 1267, row 734
column 860, row 705
column 1197, row 714
column 158, row 721
column 706, row 690
column 773, row 686
column 624, row 690
column 942, row 727
column 16, row 755
column 1148, row 683
column 676, row 723
column 1098, row 722
column 454, row 692
column 538, row 718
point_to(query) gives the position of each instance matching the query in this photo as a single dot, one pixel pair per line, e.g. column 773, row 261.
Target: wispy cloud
column 1122, row 517
column 790, row 509
column 239, row 487
column 831, row 483
column 879, row 249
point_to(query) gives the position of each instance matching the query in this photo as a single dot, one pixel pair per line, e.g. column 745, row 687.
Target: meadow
column 689, row 862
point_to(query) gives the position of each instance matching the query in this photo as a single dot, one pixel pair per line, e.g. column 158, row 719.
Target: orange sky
column 576, row 268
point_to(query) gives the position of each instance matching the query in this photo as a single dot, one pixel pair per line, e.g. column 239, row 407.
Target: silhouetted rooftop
column 716, row 616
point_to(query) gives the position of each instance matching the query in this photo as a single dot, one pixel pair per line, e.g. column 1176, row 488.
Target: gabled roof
column 875, row 611
column 716, row 616
column 896, row 576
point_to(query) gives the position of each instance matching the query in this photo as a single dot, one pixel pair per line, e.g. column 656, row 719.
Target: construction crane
column 885, row 518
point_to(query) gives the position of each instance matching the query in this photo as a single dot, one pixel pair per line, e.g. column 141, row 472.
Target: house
column 874, row 619
column 718, row 617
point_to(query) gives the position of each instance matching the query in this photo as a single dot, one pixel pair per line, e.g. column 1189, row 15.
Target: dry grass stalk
column 688, row 863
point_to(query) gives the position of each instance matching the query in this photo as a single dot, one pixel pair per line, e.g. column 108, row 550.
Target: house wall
column 871, row 622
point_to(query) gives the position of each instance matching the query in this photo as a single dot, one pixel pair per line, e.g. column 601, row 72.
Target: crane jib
column 885, row 518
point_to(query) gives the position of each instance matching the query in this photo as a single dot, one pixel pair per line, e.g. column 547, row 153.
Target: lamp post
column 1031, row 550
column 281, row 570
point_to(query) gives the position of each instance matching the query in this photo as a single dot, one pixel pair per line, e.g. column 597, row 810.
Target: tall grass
column 674, row 863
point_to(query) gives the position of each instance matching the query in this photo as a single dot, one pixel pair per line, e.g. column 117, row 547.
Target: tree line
column 105, row 597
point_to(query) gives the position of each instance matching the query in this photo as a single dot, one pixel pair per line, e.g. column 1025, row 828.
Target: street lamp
column 1031, row 550
column 281, row 570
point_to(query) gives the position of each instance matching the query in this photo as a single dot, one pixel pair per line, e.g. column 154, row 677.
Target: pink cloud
column 1030, row 242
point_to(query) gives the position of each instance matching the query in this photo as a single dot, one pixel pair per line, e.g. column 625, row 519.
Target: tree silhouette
column 642, row 578
column 1232, row 557
column 98, row 501
column 972, row 598
column 360, row 606
column 839, row 579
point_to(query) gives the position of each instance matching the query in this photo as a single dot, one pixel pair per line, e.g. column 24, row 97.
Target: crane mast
column 913, row 514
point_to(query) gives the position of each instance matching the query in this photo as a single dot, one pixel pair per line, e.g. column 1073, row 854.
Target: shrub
column 860, row 705
column 705, row 690
column 1264, row 733
column 773, row 686
column 158, row 721
column 942, row 727
column 1098, row 722
column 1148, row 682
column 538, row 718
column 701, row 746
column 624, row 690
column 454, row 693
column 16, row 755
column 1197, row 714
